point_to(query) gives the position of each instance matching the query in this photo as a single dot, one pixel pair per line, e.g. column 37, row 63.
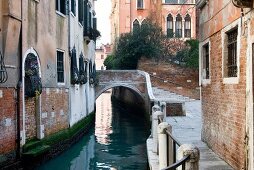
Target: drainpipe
column 18, row 91
column 69, row 52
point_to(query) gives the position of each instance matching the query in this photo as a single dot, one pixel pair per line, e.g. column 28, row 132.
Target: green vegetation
column 145, row 41
column 189, row 56
column 149, row 41
column 35, row 147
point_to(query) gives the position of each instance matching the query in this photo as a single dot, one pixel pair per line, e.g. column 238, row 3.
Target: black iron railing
column 176, row 143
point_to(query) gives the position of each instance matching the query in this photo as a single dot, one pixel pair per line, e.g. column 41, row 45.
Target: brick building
column 45, row 66
column 177, row 18
column 226, row 79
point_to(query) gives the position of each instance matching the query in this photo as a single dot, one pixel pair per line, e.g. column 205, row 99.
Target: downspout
column 18, row 89
column 130, row 17
column 69, row 52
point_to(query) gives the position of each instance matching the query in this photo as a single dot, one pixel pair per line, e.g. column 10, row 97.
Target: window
column 231, row 60
column 187, row 26
column 73, row 7
column 178, row 26
column 140, row 4
column 144, row 23
column 178, row 1
column 170, row 26
column 60, row 66
column 80, row 11
column 102, row 56
column 171, row 1
column 61, row 6
column 206, row 58
column 86, row 18
column 136, row 25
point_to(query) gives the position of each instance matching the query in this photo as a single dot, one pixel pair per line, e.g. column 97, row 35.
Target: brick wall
column 8, row 131
column 224, row 108
column 30, row 118
column 173, row 78
column 55, row 106
column 54, row 111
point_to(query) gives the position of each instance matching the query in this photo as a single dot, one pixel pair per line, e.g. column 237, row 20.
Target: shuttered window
column 60, row 66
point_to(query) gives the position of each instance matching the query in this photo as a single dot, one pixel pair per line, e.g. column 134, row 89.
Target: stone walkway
column 187, row 129
column 167, row 96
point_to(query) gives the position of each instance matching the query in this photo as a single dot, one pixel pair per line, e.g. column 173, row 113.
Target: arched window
column 178, row 26
column 136, row 25
column 187, row 26
column 144, row 22
column 170, row 26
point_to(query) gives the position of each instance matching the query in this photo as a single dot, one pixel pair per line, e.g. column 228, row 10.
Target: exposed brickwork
column 8, row 131
column 54, row 112
column 179, row 80
column 55, row 109
column 224, row 108
column 30, row 118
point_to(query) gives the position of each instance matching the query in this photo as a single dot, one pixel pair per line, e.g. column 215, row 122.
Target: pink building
column 176, row 17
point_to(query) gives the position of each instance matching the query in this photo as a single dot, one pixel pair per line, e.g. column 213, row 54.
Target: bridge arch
column 132, row 88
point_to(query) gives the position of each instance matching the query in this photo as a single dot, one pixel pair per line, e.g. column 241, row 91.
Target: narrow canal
column 117, row 142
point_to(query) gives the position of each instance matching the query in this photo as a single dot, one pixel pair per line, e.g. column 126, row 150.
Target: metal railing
column 171, row 153
column 176, row 143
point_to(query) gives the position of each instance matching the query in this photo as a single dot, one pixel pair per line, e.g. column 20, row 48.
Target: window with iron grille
column 61, row 6
column 73, row 7
column 170, row 26
column 206, row 58
column 140, row 4
column 187, row 26
column 178, row 26
column 60, row 66
column 231, row 61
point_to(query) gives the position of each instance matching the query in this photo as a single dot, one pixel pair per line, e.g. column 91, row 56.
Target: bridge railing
column 172, row 153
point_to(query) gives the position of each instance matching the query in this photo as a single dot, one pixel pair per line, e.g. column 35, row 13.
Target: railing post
column 163, row 109
column 162, row 136
column 154, row 130
column 193, row 151
column 155, row 108
column 170, row 147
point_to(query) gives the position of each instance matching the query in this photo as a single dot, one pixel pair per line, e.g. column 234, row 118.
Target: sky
column 103, row 10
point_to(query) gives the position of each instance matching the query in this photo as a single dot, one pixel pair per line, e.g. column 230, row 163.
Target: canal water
column 117, row 142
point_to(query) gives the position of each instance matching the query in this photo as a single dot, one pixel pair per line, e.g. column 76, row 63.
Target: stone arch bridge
column 135, row 80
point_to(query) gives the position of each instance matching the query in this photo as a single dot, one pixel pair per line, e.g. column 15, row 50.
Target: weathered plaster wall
column 45, row 31
column 81, row 96
column 215, row 16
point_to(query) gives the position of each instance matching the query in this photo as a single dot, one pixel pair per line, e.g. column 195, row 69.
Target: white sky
column 103, row 10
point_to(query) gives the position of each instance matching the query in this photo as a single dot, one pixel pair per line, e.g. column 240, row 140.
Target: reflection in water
column 116, row 143
column 103, row 124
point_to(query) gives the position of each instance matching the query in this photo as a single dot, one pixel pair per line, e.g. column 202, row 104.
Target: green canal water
column 117, row 142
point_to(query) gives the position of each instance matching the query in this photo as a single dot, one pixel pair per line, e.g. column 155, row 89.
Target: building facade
column 47, row 69
column 100, row 55
column 177, row 18
column 226, row 79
